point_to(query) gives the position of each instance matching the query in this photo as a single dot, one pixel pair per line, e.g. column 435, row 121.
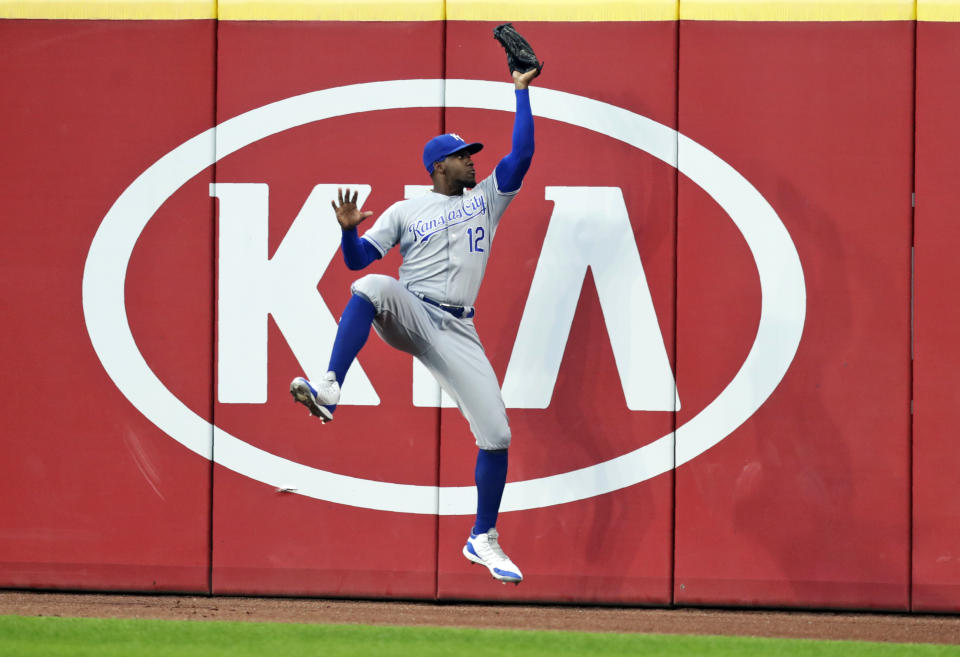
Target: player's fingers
column 340, row 195
column 333, row 204
column 365, row 215
column 355, row 194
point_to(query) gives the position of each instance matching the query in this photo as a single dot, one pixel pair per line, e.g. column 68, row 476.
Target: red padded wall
column 95, row 496
column 936, row 530
column 807, row 503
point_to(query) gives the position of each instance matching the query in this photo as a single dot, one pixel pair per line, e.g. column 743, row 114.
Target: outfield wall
column 721, row 308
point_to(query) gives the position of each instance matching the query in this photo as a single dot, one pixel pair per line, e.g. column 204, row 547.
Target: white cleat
column 486, row 551
column 317, row 397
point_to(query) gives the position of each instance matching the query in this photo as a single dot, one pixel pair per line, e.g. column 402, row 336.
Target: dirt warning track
column 900, row 628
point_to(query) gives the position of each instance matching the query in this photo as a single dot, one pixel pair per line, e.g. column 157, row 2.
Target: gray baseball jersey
column 444, row 240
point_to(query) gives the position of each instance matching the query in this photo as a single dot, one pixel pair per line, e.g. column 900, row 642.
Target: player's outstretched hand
column 348, row 215
column 522, row 80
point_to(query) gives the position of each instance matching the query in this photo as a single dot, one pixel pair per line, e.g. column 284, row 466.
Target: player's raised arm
column 348, row 214
column 357, row 253
column 523, row 80
column 511, row 169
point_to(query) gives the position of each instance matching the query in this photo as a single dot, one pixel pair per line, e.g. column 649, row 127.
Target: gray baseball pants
column 449, row 347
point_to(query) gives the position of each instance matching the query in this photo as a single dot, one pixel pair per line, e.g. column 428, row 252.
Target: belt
column 460, row 312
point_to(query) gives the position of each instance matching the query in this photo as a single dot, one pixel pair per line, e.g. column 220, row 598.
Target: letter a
column 590, row 227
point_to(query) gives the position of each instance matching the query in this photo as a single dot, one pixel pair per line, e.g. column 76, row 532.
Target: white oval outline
column 782, row 315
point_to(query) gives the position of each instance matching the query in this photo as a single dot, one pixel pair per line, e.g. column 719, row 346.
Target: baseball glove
column 520, row 55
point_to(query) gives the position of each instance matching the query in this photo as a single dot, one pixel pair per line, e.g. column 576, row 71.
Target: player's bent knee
column 500, row 440
column 374, row 288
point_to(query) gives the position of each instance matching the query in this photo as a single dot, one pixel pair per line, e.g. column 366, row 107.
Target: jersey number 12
column 474, row 237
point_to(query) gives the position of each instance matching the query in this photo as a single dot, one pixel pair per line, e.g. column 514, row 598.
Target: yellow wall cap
column 110, row 9
column 457, row 10
column 330, row 10
column 798, row 10
column 348, row 10
column 947, row 11
column 489, row 10
column 562, row 10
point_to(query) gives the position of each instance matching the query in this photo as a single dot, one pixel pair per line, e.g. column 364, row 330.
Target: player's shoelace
column 491, row 552
column 327, row 392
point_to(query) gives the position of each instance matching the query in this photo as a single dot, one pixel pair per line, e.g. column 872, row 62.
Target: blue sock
column 491, row 477
column 352, row 334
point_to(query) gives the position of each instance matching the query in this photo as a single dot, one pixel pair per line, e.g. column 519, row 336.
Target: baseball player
column 444, row 237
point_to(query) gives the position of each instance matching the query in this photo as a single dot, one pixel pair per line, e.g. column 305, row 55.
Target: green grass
column 52, row 637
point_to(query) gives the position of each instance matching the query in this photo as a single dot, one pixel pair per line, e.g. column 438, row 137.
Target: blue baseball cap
column 444, row 145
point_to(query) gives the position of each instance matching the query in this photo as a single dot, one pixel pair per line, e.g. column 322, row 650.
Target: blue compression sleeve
column 352, row 334
column 491, row 478
column 357, row 253
column 513, row 167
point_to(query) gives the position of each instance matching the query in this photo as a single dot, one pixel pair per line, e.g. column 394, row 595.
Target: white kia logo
column 782, row 312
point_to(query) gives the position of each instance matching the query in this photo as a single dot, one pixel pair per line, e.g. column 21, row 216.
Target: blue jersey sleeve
column 357, row 253
column 513, row 167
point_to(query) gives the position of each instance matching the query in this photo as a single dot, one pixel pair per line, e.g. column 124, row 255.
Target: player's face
column 459, row 168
